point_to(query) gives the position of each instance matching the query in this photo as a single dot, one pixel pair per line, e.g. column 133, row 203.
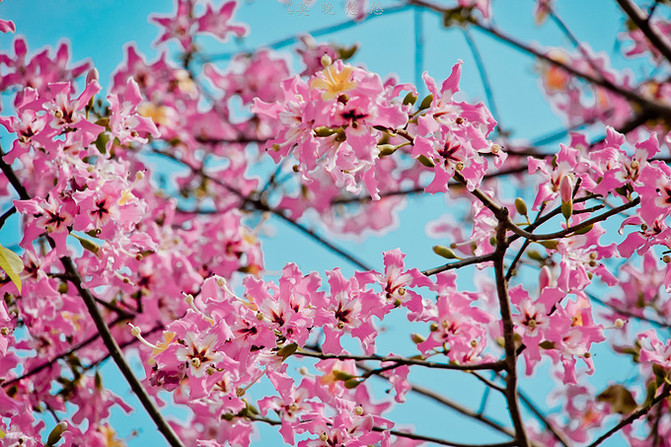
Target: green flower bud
column 55, row 435
column 425, row 161
column 521, row 206
column 386, row 149
column 443, row 251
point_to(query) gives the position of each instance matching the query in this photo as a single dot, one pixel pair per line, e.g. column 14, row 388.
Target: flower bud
column 567, row 209
column 55, row 435
column 287, row 350
column 426, row 161
column 443, row 251
column 521, row 206
column 566, row 189
column 584, row 230
column 545, row 277
column 386, row 149
column 416, row 338
column 410, row 98
column 92, row 75
column 352, row 383
column 323, row 131
column 426, row 102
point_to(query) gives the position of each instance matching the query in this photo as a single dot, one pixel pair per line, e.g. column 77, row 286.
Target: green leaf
column 12, row 265
column 287, row 351
column 650, row 392
column 620, row 399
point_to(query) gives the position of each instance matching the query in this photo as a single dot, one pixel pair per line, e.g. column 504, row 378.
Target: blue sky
column 98, row 30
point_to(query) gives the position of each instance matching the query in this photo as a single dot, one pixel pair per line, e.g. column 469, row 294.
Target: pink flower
column 180, row 26
column 7, row 26
column 216, row 22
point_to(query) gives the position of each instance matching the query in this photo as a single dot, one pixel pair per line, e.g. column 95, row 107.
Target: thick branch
column 114, row 350
column 656, row 38
column 508, row 334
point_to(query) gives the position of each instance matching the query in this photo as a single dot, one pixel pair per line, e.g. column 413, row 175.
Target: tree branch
column 654, row 36
column 493, row 366
column 508, row 332
column 632, row 417
column 259, row 205
column 101, row 326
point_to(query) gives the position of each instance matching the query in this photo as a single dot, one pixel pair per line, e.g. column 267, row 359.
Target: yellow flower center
column 333, row 82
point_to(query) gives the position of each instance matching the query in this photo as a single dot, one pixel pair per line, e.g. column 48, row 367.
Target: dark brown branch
column 462, row 263
column 438, row 398
column 493, row 366
column 508, row 332
column 114, row 350
column 654, row 36
column 572, row 229
column 6, row 216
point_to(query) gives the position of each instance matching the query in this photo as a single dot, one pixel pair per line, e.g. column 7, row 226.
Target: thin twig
column 484, row 79
column 455, row 265
column 290, row 40
column 627, row 313
column 559, row 436
column 439, row 398
column 259, row 205
column 69, row 352
column 655, row 106
column 493, row 366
